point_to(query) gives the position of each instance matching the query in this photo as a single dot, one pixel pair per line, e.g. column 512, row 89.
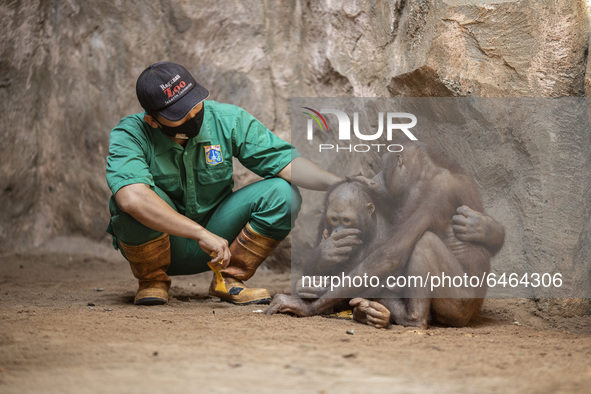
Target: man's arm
column 148, row 208
column 302, row 172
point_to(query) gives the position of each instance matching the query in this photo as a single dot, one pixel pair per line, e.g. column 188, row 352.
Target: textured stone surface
column 529, row 157
column 68, row 69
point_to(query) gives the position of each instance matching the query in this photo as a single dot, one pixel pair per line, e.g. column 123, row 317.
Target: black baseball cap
column 169, row 90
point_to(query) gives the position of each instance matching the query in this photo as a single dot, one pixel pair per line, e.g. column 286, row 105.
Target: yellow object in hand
column 220, row 285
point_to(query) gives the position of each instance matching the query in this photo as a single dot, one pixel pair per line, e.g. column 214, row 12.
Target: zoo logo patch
column 213, row 155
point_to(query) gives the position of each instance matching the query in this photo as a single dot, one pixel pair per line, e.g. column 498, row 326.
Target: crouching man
column 173, row 209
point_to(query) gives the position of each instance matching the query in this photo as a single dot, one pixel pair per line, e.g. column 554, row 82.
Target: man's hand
column 215, row 246
column 337, row 248
column 148, row 208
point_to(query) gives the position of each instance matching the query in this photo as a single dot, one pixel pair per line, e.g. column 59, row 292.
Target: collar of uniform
column 165, row 143
column 204, row 134
column 162, row 142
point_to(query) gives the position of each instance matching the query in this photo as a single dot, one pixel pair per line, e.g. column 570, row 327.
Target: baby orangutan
column 412, row 219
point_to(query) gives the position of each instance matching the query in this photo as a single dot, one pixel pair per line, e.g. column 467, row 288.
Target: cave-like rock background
column 68, row 70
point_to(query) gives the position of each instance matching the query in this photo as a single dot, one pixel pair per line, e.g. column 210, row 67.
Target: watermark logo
column 315, row 116
column 394, row 122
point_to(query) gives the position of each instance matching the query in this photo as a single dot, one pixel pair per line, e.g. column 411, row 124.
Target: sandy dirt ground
column 68, row 325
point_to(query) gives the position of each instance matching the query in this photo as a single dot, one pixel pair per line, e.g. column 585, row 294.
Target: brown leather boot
column 148, row 263
column 248, row 250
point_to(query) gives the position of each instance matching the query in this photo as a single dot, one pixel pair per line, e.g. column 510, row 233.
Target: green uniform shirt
column 198, row 177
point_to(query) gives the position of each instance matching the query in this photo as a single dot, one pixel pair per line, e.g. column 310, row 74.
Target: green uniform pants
column 271, row 206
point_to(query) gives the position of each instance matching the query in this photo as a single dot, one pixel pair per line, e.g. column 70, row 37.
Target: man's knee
column 125, row 228
column 128, row 230
column 284, row 196
column 277, row 208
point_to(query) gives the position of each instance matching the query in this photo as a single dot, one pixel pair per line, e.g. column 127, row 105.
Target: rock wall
column 68, row 71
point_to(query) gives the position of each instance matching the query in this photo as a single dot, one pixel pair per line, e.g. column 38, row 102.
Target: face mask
column 187, row 130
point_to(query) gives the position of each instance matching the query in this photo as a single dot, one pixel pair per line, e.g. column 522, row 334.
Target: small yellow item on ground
column 348, row 314
column 220, row 284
